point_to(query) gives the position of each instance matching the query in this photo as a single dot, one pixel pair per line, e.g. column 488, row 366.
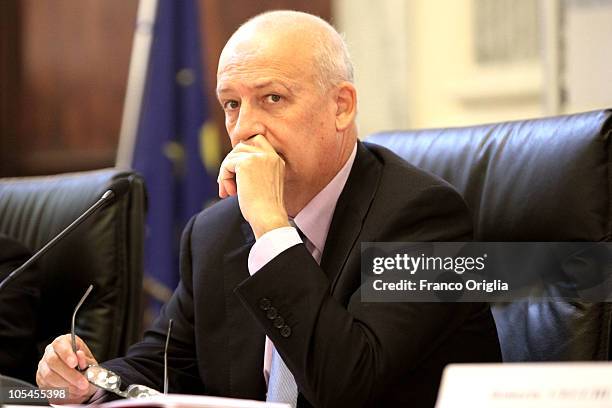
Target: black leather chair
column 534, row 180
column 106, row 251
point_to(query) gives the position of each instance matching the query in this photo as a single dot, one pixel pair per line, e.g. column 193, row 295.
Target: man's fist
column 256, row 174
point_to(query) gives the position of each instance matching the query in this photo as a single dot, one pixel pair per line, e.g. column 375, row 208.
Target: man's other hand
column 58, row 369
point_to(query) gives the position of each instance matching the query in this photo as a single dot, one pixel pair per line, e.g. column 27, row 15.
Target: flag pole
column 139, row 62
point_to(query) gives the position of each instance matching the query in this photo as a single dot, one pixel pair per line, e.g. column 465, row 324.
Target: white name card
column 527, row 385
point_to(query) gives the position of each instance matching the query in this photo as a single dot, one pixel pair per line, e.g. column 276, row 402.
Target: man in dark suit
column 19, row 303
column 269, row 302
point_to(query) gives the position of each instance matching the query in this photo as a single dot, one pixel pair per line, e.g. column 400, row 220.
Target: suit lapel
column 245, row 337
column 351, row 209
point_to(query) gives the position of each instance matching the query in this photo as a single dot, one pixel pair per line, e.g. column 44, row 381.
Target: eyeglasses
column 108, row 380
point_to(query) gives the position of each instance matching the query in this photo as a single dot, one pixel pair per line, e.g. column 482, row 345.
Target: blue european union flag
column 169, row 148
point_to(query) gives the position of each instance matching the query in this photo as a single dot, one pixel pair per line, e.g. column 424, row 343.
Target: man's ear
column 346, row 103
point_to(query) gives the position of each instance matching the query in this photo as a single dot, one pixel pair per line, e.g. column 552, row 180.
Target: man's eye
column 273, row 98
column 230, row 105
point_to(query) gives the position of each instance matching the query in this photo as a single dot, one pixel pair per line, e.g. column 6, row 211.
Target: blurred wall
column 587, row 39
column 63, row 83
column 66, row 82
column 417, row 66
column 8, row 74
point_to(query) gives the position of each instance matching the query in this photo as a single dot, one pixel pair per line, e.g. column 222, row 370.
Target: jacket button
column 279, row 322
column 265, row 304
column 271, row 313
column 285, row 331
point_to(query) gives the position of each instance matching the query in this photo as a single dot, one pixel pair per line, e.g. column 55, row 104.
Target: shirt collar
column 315, row 218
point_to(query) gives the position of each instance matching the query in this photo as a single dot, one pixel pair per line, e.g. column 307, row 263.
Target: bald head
column 305, row 35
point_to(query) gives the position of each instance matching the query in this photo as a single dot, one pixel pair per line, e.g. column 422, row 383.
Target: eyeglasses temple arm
column 76, row 309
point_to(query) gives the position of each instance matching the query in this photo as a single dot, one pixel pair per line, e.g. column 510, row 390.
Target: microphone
column 116, row 189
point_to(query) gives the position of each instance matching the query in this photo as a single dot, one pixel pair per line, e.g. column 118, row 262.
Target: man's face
column 269, row 87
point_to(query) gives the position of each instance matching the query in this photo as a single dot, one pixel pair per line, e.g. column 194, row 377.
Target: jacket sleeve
column 349, row 354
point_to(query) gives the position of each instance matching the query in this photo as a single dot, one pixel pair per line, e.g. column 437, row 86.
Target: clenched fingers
column 53, row 371
column 227, row 172
column 47, row 378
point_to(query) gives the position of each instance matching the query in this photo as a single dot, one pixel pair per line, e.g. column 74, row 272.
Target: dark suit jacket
column 19, row 303
column 342, row 351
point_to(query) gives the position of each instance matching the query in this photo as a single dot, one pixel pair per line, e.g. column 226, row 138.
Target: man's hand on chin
column 255, row 172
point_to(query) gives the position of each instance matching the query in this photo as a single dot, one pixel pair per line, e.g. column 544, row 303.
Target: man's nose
column 248, row 124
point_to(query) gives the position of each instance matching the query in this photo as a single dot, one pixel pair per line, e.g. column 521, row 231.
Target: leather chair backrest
column 106, row 251
column 533, row 180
